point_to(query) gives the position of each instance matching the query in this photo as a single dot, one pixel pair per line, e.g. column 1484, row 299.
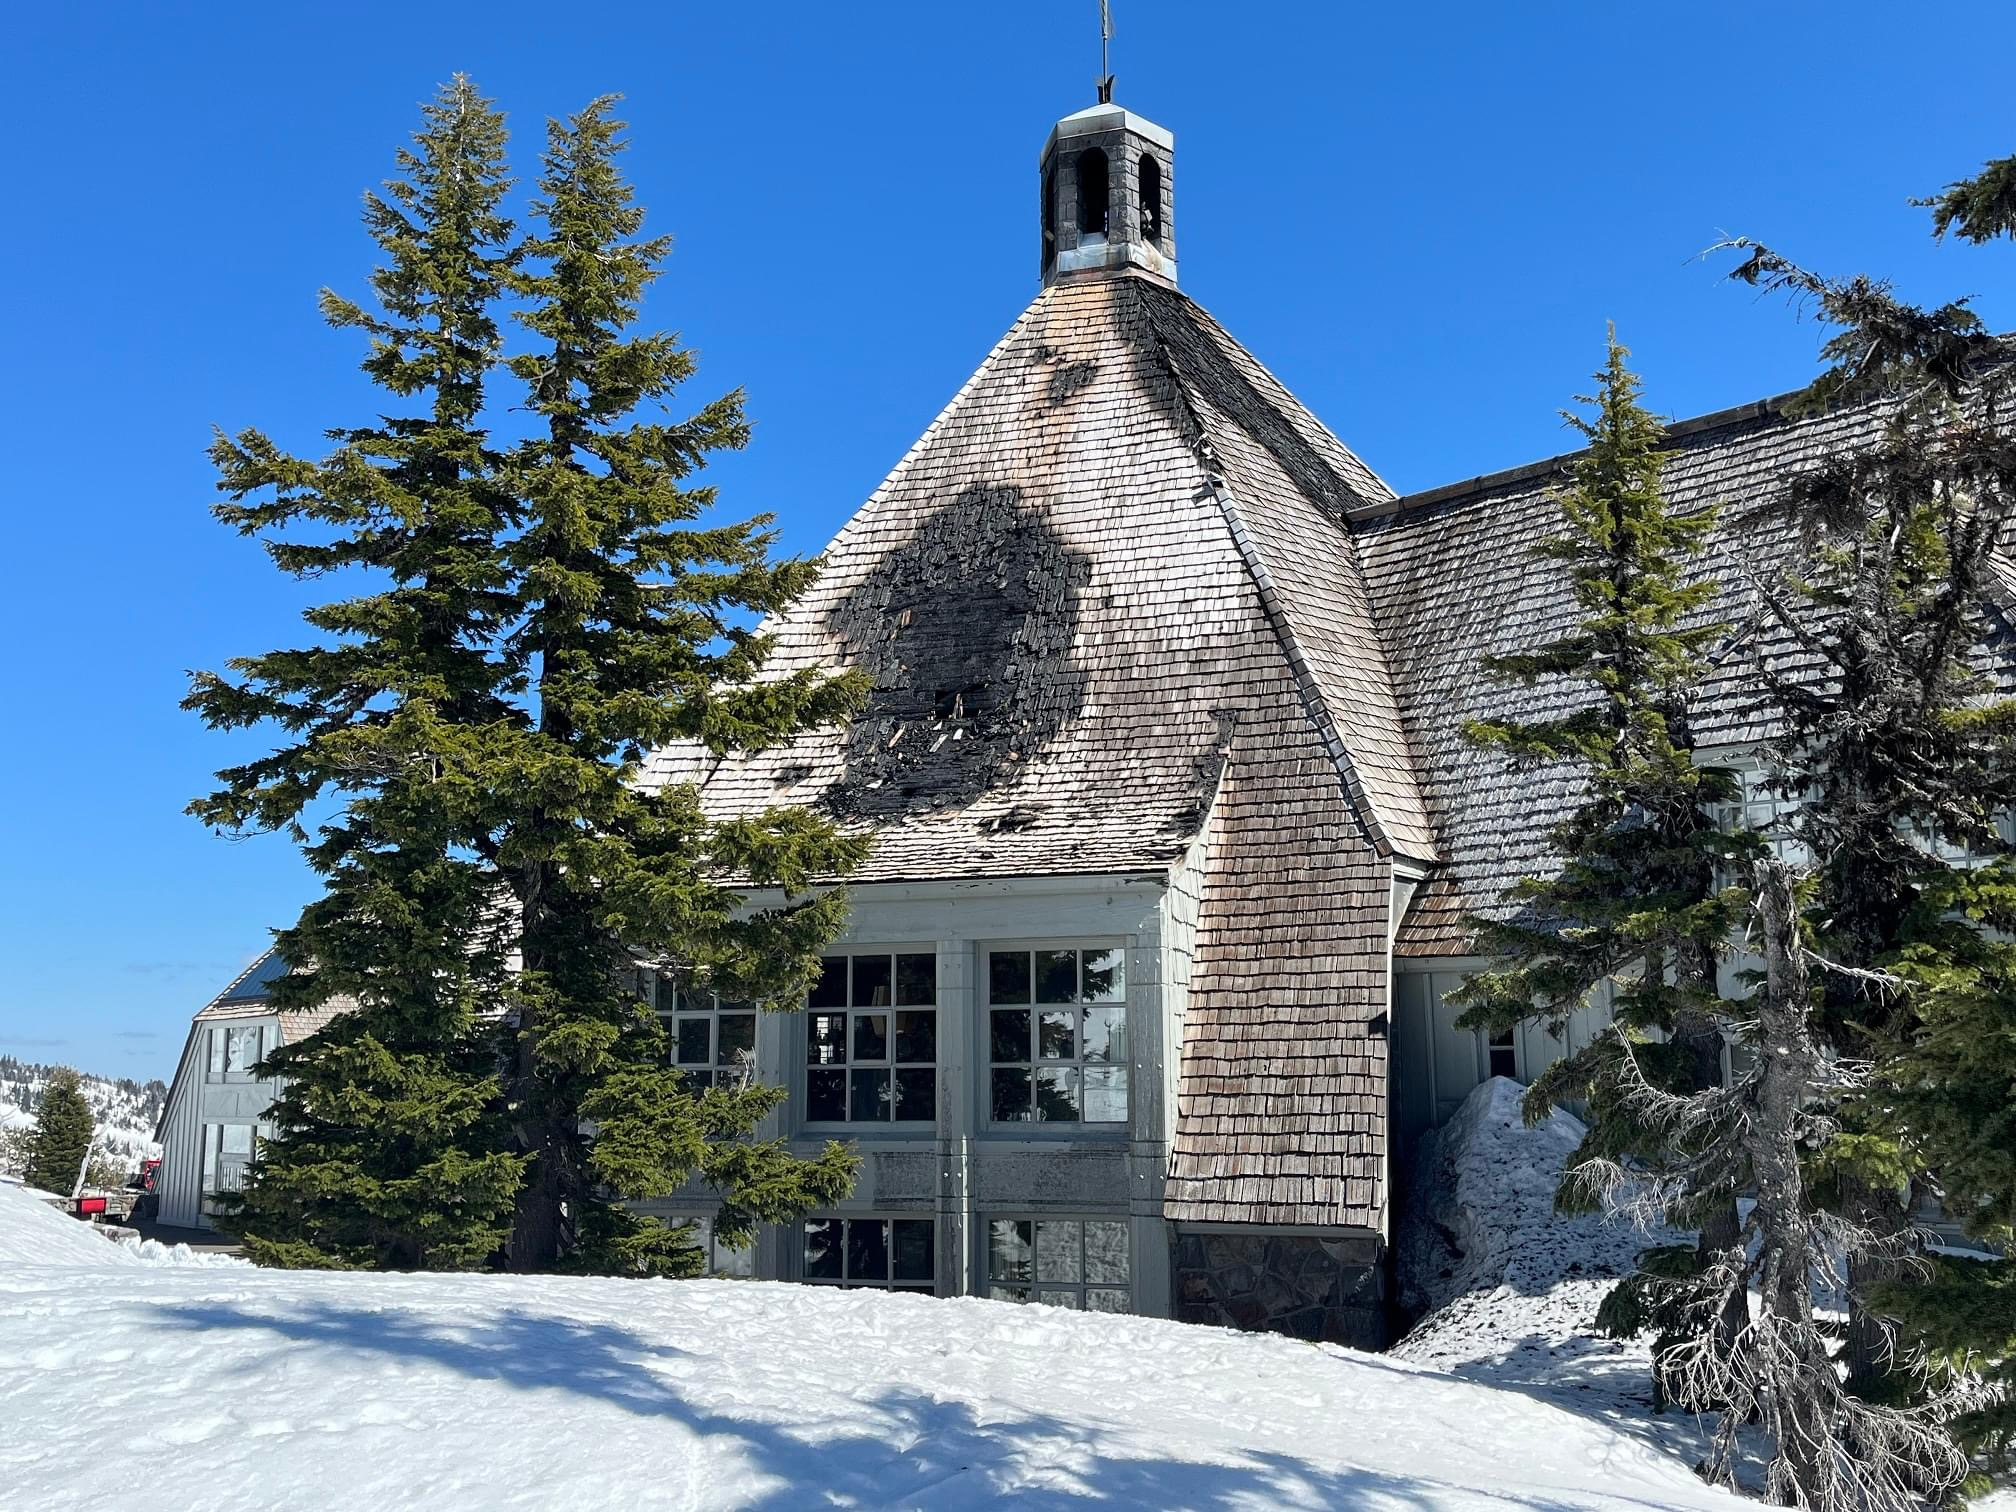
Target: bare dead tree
column 1831, row 1451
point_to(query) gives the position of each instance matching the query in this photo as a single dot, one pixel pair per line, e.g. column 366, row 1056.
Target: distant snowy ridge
column 126, row 1111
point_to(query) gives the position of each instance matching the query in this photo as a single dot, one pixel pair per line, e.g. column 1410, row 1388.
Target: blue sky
column 1419, row 216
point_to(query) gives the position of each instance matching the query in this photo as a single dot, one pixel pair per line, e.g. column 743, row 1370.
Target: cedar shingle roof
column 1454, row 579
column 1053, row 609
column 1110, row 583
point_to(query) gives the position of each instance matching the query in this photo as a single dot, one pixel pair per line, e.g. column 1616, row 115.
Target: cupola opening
column 1151, row 198
column 1093, row 198
column 1108, row 203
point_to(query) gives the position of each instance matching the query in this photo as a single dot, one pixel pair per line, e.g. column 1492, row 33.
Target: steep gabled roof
column 248, row 995
column 1110, row 593
column 1060, row 620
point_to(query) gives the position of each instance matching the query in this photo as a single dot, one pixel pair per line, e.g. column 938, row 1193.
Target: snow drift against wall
column 1508, row 1288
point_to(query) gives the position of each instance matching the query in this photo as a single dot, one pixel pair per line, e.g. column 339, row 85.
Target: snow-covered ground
column 232, row 1387
column 1509, row 1287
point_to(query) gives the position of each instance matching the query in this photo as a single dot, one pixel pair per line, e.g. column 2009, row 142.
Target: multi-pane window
column 722, row 1259
column 1765, row 813
column 1968, row 854
column 233, row 1050
column 896, row 1254
column 1773, row 816
column 227, row 1150
column 1065, row 1262
column 713, row 1043
column 871, row 1045
column 1502, row 1054
column 1057, row 1036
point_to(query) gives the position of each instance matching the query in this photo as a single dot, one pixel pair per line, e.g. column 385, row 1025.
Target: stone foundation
column 1331, row 1290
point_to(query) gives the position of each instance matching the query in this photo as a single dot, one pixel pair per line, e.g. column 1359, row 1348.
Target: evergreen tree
column 387, row 1149
column 1900, row 755
column 1828, row 1448
column 1953, row 1088
column 1636, row 908
column 62, row 1134
column 632, row 630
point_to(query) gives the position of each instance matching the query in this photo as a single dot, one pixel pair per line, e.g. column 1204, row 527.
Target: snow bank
column 1510, row 1287
column 246, row 1388
column 154, row 1252
column 34, row 1233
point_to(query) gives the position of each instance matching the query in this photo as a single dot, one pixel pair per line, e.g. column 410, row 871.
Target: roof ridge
column 1313, row 701
column 1278, row 619
column 1282, row 406
column 1772, row 408
column 1778, row 407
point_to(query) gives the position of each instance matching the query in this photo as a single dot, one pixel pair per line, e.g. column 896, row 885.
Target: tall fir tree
column 1636, row 909
column 632, row 629
column 387, row 1148
column 1773, row 1372
column 1900, row 752
column 61, row 1136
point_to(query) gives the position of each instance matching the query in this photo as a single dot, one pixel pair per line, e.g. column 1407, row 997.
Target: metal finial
column 1105, row 52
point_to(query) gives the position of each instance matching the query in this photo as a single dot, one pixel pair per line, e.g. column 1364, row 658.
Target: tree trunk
column 1885, row 1214
column 1721, row 1229
column 538, row 1229
column 1793, row 1361
column 539, row 1234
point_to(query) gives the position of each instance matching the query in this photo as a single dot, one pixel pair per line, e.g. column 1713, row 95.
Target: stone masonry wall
column 1331, row 1291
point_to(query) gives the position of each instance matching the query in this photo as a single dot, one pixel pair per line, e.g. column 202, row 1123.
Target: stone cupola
column 1108, row 197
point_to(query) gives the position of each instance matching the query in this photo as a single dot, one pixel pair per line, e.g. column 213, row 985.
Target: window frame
column 218, row 1067
column 1762, row 810
column 987, row 1064
column 676, row 1005
column 1507, row 1042
column 890, row 1062
column 847, row 1280
column 1034, row 1289
column 210, row 1167
column 712, row 1249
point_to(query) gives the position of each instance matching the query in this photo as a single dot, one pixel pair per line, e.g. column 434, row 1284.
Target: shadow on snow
column 897, row 1448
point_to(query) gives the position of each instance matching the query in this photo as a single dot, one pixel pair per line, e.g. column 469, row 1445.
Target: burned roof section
column 1057, row 620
